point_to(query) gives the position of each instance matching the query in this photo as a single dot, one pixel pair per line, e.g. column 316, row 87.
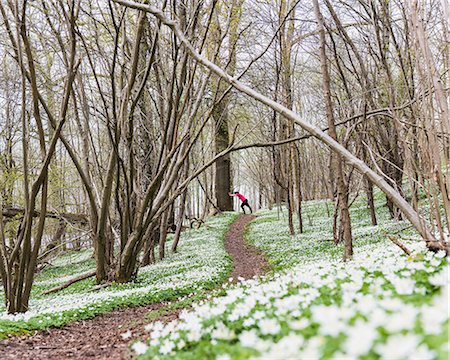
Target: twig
column 70, row 282
column 399, row 244
column 99, row 287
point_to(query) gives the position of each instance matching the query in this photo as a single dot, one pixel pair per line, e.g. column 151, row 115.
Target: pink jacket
column 240, row 196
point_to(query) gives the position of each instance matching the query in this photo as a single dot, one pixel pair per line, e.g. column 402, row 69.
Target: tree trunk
column 163, row 235
column 223, row 180
column 342, row 188
column 179, row 224
column 370, row 202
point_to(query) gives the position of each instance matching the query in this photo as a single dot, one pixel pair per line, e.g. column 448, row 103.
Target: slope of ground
column 200, row 263
column 381, row 305
column 108, row 335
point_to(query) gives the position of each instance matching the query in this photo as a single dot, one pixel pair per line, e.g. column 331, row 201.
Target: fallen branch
column 100, row 286
column 70, row 282
column 399, row 244
column 12, row 211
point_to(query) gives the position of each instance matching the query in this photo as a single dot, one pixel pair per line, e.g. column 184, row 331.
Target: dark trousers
column 245, row 203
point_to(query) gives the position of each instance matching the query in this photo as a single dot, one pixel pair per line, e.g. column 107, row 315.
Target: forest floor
column 108, row 336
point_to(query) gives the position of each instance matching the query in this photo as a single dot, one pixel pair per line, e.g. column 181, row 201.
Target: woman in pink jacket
column 243, row 199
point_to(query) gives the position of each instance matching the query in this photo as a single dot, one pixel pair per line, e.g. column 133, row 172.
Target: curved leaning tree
column 416, row 220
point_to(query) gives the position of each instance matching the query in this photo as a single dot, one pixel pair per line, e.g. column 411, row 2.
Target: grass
column 270, row 231
column 315, row 306
column 200, row 264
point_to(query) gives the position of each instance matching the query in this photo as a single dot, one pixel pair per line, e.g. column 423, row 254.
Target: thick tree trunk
column 223, row 180
column 223, row 176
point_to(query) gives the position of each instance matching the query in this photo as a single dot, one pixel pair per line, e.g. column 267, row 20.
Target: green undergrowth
column 270, row 231
column 183, row 303
column 201, row 264
column 382, row 304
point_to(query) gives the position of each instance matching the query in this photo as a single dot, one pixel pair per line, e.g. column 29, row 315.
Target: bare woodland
column 122, row 121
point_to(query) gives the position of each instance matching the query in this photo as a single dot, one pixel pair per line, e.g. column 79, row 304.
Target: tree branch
column 10, row 212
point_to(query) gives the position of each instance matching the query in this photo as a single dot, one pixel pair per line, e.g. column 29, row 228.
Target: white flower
column 403, row 320
column 167, row 347
column 404, row 286
column 269, row 326
column 248, row 322
column 312, row 349
column 249, row 339
column 221, row 332
column 241, row 310
column 441, row 278
column 139, row 347
column 422, row 353
column 154, row 342
column 351, row 287
column 432, row 319
column 298, row 324
column 435, row 261
column 126, row 335
column 398, row 347
column 194, row 335
column 291, row 344
column 360, row 338
column 287, row 348
column 332, row 319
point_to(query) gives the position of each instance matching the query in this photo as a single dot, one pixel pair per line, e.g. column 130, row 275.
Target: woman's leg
column 248, row 205
column 242, row 207
column 245, row 203
column 251, row 211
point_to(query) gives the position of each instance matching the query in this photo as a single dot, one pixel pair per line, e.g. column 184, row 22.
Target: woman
column 243, row 199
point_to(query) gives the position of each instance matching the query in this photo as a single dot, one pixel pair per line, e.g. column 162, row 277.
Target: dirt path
column 101, row 337
column 247, row 261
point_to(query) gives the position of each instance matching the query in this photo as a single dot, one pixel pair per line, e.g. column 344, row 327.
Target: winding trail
column 101, row 337
column 247, row 261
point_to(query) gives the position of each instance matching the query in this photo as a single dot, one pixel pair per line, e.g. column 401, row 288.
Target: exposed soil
column 101, row 337
column 247, row 261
